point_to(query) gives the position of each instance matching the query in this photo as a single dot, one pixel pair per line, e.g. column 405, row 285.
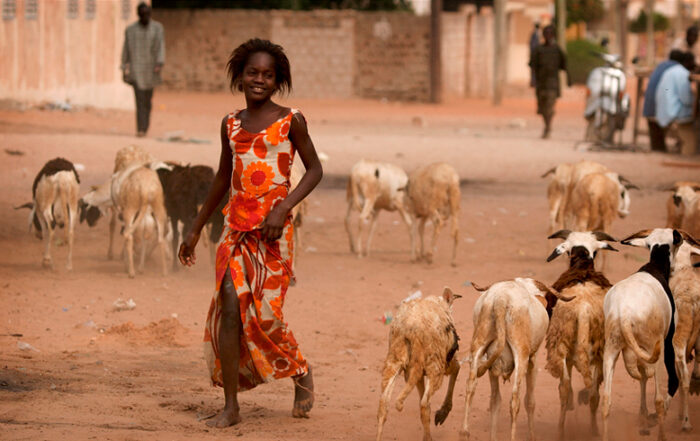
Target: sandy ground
column 140, row 374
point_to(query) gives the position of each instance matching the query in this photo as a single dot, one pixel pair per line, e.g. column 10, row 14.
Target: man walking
column 534, row 42
column 143, row 57
column 546, row 61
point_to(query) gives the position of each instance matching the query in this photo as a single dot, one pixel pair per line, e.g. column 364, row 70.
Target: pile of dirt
column 167, row 332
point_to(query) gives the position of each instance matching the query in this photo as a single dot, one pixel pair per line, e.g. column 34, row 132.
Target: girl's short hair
column 239, row 57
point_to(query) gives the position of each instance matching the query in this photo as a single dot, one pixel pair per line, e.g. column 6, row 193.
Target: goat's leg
column 425, row 391
column 494, row 406
column 112, row 227
column 141, row 234
column 694, row 388
column 389, row 375
column 530, row 396
column 47, row 234
column 406, row 217
column 643, row 412
column 70, row 231
column 454, row 225
column 348, row 228
column 594, row 399
column 659, row 395
column 437, row 226
column 684, row 376
column 564, row 396
column 176, row 238
column 161, row 219
column 372, row 227
column 471, row 388
column 610, row 356
column 421, row 234
column 452, row 371
column 520, row 359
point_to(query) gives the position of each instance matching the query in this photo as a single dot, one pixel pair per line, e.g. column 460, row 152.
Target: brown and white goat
column 55, row 192
column 639, row 323
column 434, row 195
column 575, row 337
column 422, row 345
column 510, row 323
column 685, row 286
column 374, row 186
column 683, row 208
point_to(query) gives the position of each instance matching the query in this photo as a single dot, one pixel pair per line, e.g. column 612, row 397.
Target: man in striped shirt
column 143, row 57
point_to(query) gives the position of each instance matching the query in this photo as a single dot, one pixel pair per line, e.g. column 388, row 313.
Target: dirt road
column 101, row 374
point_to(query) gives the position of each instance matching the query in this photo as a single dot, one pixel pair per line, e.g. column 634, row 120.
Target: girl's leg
column 303, row 395
column 229, row 353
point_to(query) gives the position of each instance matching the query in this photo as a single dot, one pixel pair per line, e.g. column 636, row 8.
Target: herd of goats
column 652, row 317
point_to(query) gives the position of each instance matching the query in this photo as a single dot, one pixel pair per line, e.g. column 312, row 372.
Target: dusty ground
column 131, row 375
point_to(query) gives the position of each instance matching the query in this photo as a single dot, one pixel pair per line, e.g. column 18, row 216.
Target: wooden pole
column 435, row 55
column 621, row 29
column 499, row 43
column 561, row 24
column 650, row 32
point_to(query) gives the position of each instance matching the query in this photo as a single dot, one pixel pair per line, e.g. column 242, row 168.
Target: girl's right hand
column 186, row 254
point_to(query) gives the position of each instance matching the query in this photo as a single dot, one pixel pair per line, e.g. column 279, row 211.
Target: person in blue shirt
column 656, row 132
column 675, row 99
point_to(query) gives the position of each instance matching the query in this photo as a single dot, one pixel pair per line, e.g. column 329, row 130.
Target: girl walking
column 246, row 339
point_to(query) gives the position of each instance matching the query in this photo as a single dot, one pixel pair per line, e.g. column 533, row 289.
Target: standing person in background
column 546, row 61
column 534, row 42
column 689, row 43
column 143, row 57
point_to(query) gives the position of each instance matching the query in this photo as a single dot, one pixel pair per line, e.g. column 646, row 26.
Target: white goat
column 576, row 329
column 685, row 286
column 55, row 192
column 374, row 186
column 639, row 324
column 510, row 322
column 422, row 344
column 686, row 202
column 434, row 195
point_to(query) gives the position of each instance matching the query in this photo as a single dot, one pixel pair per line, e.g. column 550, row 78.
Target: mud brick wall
column 334, row 54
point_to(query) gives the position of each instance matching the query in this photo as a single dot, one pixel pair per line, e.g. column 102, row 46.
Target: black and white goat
column 55, row 191
column 639, row 323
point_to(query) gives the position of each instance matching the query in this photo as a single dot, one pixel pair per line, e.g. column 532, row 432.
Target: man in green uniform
column 546, row 61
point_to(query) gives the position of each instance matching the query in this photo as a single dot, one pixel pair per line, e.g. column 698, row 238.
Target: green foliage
column 581, row 59
column 583, row 11
column 639, row 25
column 363, row 5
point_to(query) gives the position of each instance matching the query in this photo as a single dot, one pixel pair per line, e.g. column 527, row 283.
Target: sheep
column 639, row 322
column 137, row 193
column 422, row 344
column 434, row 195
column 185, row 188
column 575, row 333
column 685, row 286
column 595, row 200
column 374, row 186
column 56, row 186
column 683, row 207
column 130, row 155
column 510, row 322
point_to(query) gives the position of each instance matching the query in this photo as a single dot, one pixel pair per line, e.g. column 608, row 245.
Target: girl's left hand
column 274, row 223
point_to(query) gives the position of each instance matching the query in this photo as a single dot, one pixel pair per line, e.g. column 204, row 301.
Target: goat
column 685, row 286
column 639, row 322
column 434, row 195
column 185, row 188
column 374, row 186
column 137, row 193
column 130, row 155
column 576, row 328
column 683, row 208
column 510, row 322
column 422, row 344
column 56, row 185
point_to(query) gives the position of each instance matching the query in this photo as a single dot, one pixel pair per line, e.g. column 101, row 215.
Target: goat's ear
column 448, row 295
column 557, row 252
column 561, row 234
column 29, row 205
column 696, row 187
column 548, row 172
column 688, row 238
column 542, row 300
column 626, row 182
column 677, row 237
column 638, row 239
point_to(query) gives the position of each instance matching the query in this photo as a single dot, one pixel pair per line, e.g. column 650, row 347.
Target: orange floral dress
column 260, row 270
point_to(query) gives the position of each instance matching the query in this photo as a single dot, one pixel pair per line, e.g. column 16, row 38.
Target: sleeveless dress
column 260, row 270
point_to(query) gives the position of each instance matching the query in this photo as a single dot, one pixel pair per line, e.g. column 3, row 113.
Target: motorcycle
column 607, row 104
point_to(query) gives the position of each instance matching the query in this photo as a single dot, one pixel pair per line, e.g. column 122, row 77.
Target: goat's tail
column 628, row 334
column 499, row 321
column 548, row 172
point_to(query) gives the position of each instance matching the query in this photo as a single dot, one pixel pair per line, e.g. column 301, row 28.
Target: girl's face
column 259, row 82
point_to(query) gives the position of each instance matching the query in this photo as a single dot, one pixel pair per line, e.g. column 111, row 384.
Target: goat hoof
column 652, row 419
column 47, row 263
column 643, row 431
column 463, row 435
column 441, row 416
column 686, row 427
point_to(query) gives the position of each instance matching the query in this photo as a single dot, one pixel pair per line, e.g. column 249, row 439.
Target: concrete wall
column 54, row 57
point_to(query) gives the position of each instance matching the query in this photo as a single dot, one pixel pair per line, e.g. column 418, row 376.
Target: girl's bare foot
column 303, row 395
column 227, row 417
